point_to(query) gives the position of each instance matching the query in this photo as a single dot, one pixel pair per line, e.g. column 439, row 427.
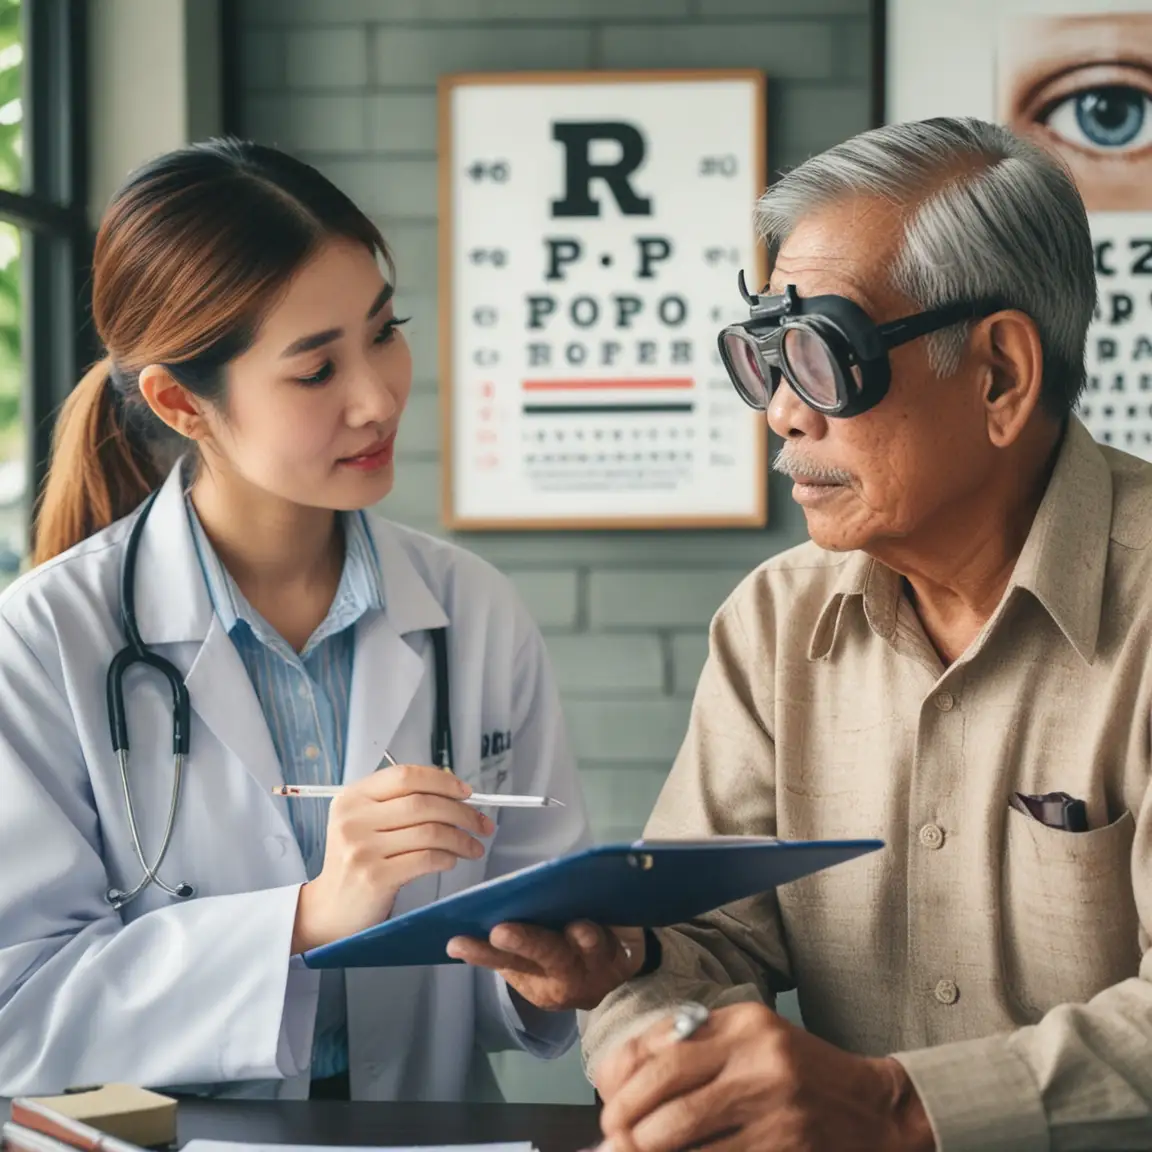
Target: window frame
column 57, row 341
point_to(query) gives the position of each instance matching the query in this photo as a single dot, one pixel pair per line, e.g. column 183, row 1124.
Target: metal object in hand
column 690, row 1017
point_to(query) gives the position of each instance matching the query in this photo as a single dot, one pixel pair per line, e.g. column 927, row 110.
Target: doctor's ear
column 182, row 411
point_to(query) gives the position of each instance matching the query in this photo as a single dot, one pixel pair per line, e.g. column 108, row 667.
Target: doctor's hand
column 750, row 1080
column 384, row 831
column 557, row 971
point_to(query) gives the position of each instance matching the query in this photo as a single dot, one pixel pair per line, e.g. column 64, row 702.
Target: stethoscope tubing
column 137, row 652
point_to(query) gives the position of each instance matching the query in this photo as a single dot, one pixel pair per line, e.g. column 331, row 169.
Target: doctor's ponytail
column 107, row 475
column 191, row 254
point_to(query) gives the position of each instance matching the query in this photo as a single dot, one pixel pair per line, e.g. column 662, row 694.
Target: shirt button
column 312, row 752
column 303, row 692
column 945, row 701
column 947, row 992
column 931, row 836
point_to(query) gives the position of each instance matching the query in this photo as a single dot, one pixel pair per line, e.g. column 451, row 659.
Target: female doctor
column 255, row 381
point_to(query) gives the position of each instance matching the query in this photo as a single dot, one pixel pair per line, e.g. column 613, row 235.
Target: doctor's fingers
column 410, row 811
column 407, row 780
column 422, row 838
column 397, row 871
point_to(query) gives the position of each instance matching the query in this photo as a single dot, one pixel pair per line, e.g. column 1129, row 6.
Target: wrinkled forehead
column 845, row 249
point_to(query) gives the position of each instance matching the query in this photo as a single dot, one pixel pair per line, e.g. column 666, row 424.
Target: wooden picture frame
column 682, row 452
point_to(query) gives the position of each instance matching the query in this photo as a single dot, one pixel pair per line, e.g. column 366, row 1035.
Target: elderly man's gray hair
column 989, row 216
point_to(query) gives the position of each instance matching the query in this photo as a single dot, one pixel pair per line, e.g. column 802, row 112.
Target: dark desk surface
column 551, row 1127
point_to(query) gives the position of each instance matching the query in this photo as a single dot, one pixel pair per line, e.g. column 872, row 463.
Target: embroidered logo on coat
column 495, row 744
column 494, row 748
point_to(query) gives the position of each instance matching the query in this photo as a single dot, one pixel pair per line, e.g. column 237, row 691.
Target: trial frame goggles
column 831, row 352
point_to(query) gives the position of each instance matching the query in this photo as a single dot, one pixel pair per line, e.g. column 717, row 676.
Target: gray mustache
column 790, row 463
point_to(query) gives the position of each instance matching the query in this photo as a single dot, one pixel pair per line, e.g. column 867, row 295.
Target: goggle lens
column 745, row 369
column 809, row 366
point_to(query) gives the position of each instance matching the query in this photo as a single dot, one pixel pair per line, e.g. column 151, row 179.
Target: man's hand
column 557, row 971
column 749, row 1080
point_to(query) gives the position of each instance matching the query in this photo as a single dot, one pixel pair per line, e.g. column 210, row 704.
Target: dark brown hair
column 191, row 254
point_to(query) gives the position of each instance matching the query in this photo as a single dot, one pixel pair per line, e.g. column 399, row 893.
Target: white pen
column 476, row 800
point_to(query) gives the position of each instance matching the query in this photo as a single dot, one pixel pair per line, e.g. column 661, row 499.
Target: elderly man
column 968, row 631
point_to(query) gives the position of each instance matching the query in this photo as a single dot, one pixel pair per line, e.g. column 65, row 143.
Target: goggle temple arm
column 897, row 332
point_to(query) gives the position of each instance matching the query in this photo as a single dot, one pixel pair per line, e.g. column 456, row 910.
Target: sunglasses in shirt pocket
column 1070, row 927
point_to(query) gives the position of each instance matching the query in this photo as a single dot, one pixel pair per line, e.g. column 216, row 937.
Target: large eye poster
column 592, row 229
column 1081, row 86
column 1076, row 78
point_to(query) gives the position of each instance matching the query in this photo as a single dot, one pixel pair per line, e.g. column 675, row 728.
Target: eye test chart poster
column 1076, row 78
column 592, row 229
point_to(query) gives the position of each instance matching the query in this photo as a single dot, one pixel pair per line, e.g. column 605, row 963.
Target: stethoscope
column 137, row 652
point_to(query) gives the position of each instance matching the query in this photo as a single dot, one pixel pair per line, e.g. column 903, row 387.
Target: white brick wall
column 350, row 85
column 631, row 599
column 551, row 597
column 627, row 667
column 327, row 58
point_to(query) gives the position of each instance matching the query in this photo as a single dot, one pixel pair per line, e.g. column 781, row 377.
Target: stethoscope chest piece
column 118, row 898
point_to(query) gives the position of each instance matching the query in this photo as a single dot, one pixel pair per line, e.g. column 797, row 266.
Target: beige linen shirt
column 1005, row 963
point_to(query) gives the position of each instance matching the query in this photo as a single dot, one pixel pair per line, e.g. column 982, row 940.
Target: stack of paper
column 228, row 1146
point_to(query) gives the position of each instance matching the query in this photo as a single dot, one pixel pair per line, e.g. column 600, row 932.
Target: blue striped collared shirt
column 304, row 697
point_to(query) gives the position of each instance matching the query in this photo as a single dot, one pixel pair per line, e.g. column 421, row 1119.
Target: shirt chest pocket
column 1070, row 922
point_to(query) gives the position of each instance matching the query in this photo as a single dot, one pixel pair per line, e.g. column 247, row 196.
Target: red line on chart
column 606, row 385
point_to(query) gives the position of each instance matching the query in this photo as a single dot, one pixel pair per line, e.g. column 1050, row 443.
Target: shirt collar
column 172, row 601
column 861, row 580
column 1065, row 557
column 358, row 592
column 1062, row 563
column 222, row 590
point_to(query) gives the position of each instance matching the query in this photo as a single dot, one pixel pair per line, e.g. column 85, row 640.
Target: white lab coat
column 203, row 992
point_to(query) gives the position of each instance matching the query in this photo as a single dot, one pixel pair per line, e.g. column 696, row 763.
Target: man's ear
column 1012, row 361
column 173, row 403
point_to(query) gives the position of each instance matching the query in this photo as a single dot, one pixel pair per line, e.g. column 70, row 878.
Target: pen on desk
column 17, row 1138
column 33, row 1117
column 476, row 800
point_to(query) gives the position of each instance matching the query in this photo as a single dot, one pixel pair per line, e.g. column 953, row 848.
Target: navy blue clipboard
column 646, row 884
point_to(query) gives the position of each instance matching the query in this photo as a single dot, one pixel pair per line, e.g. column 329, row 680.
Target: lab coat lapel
column 388, row 670
column 172, row 602
column 173, row 608
column 385, row 677
column 223, row 697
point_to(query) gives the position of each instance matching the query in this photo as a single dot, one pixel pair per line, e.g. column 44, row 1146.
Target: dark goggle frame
column 831, row 352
